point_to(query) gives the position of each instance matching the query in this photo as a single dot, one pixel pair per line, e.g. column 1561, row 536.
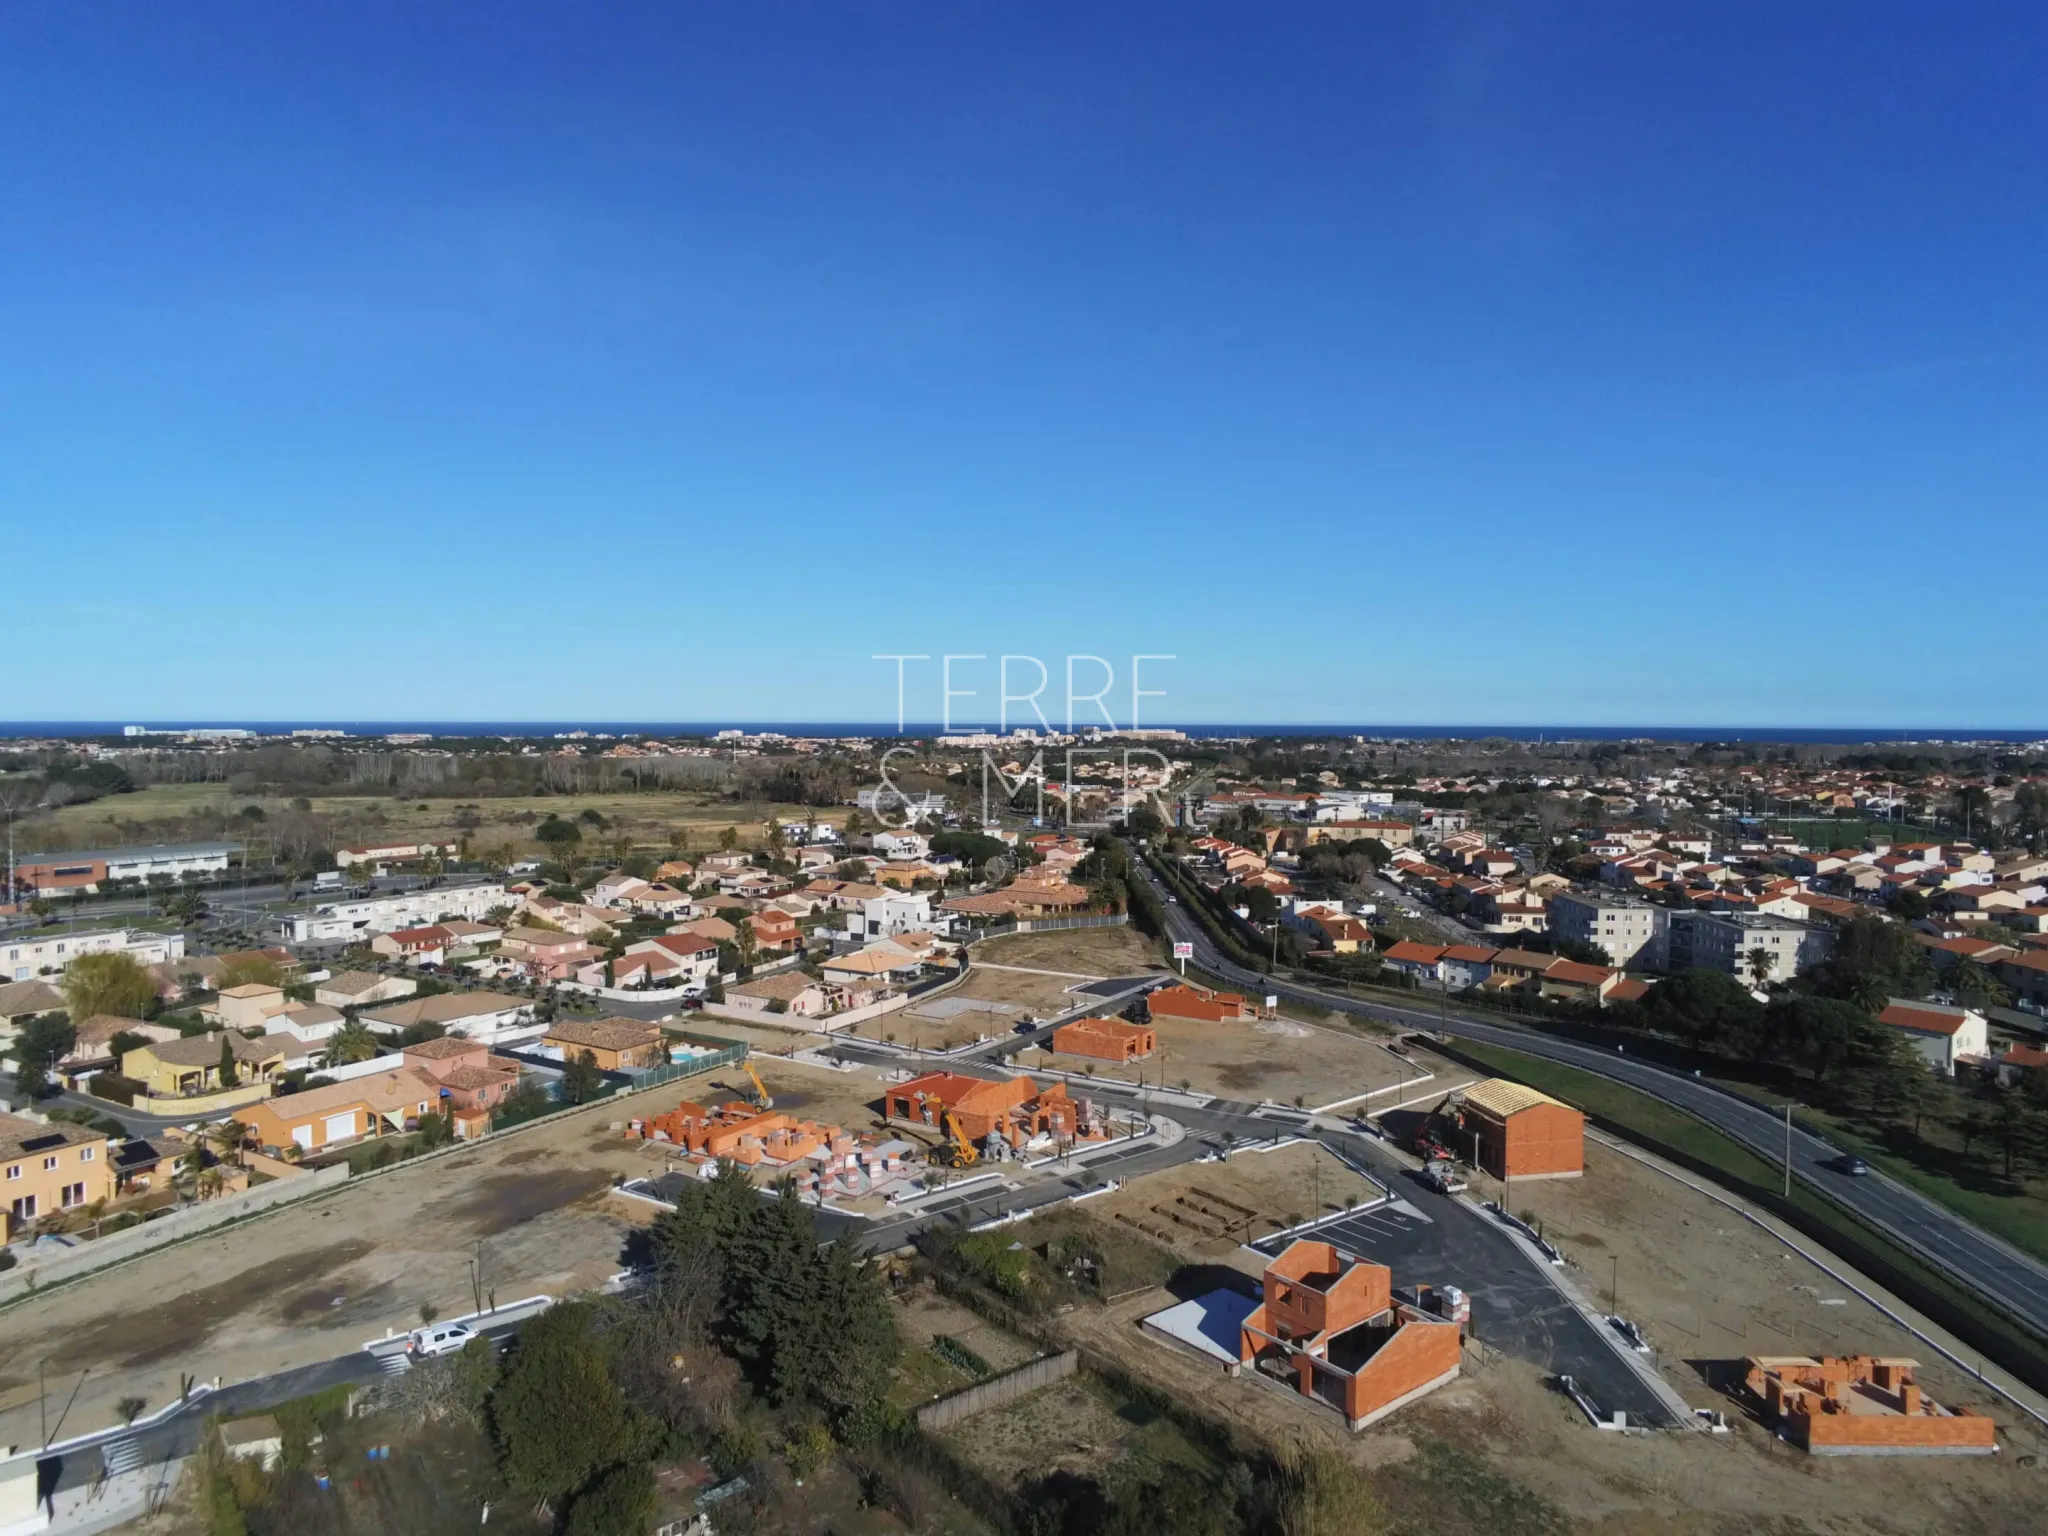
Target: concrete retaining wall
column 199, row 1106
column 998, row 1390
column 70, row 1263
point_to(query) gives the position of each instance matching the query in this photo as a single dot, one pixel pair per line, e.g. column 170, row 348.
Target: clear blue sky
column 1599, row 363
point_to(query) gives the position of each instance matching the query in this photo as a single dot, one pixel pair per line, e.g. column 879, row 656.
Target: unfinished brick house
column 1863, row 1405
column 1104, row 1040
column 1332, row 1326
column 826, row 1160
column 1521, row 1133
column 1015, row 1110
column 1199, row 1004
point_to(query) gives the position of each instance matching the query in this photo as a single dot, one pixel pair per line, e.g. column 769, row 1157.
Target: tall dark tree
column 557, row 1416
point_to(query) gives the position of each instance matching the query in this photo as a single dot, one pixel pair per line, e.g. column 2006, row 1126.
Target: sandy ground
column 1205, row 1211
column 761, row 1037
column 1279, row 1060
column 1707, row 1287
column 1087, row 951
column 938, row 1022
column 315, row 1280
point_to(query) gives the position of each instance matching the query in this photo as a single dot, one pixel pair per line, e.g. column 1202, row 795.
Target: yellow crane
column 763, row 1099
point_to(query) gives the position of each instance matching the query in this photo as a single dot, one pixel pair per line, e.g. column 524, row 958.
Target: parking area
column 1427, row 1238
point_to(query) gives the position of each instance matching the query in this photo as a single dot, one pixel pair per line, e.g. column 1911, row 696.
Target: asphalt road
column 1986, row 1265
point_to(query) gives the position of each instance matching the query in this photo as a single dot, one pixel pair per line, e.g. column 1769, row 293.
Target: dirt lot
column 1281, row 1060
column 1084, row 951
column 314, row 1280
column 1705, row 1285
column 944, row 1020
column 1205, row 1211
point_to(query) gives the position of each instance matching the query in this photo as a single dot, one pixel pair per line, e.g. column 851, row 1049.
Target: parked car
column 439, row 1339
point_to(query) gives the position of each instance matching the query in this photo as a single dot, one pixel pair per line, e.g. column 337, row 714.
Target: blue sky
column 1590, row 363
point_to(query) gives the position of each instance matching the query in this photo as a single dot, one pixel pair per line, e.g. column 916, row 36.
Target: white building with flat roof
column 341, row 921
column 27, row 955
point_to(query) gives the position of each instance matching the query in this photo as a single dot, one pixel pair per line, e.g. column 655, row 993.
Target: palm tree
column 1973, row 983
column 352, row 1042
column 209, row 1183
column 227, row 1139
column 1870, row 992
column 1761, row 963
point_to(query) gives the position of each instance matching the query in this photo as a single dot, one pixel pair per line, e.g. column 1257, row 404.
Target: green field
column 176, row 812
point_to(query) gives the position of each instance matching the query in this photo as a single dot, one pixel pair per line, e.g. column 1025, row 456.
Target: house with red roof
column 1941, row 1033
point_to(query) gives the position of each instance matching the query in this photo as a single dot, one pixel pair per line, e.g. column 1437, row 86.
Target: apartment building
column 1726, row 941
column 25, row 955
column 341, row 921
column 1631, row 932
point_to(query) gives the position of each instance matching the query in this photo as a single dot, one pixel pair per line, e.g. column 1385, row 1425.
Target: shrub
column 115, row 1088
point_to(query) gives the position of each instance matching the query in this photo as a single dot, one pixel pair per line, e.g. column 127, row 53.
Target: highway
column 1985, row 1265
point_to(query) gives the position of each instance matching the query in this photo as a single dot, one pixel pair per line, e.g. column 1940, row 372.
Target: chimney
column 1909, row 1397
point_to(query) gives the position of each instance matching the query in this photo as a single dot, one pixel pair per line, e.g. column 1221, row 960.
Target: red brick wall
column 1545, row 1138
column 1919, row 1431
column 1417, row 1355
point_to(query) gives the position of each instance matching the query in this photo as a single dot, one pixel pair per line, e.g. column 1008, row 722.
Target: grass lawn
column 1640, row 1118
column 2020, row 1219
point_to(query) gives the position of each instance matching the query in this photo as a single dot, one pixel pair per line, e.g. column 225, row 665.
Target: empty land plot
column 1707, row 1286
column 940, row 1023
column 1278, row 1062
column 1206, row 1210
column 311, row 1281
column 1120, row 951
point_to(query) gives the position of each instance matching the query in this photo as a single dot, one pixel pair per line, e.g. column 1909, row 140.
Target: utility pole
column 1788, row 1149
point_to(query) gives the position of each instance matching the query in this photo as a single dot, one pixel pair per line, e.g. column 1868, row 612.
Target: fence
column 733, row 1053
column 998, row 1390
column 1045, row 925
column 37, row 1269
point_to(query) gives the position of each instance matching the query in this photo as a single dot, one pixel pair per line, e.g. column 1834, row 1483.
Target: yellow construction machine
column 956, row 1151
column 763, row 1099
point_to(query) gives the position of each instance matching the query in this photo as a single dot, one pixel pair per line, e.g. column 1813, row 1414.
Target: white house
column 883, row 917
column 1938, row 1032
column 617, row 890
column 694, row 956
column 902, row 845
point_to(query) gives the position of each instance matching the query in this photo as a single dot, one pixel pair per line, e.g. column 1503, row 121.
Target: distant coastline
column 1791, row 735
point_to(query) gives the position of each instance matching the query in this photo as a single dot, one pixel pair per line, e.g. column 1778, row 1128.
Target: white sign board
column 1183, row 951
column 1272, row 1002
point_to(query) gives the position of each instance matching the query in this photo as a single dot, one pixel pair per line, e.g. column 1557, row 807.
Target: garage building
column 1521, row 1133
